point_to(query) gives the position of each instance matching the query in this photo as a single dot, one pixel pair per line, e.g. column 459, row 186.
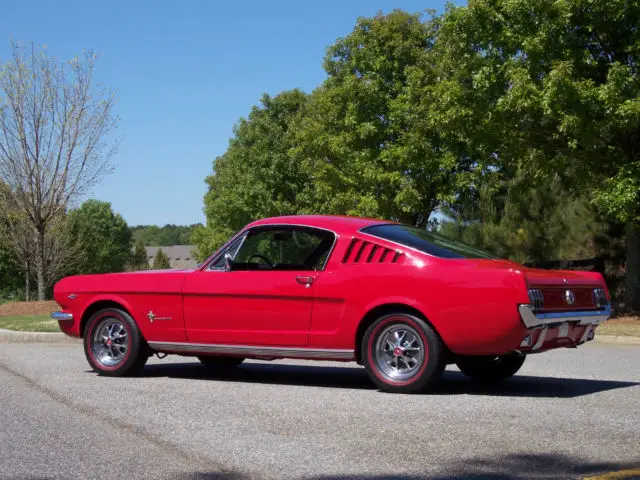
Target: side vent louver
column 362, row 251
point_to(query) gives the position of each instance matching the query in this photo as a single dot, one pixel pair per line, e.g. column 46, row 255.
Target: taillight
column 536, row 299
column 600, row 298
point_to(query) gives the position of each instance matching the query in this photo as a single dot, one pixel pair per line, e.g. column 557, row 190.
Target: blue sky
column 184, row 72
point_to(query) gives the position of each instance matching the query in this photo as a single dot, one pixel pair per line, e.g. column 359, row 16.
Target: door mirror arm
column 227, row 262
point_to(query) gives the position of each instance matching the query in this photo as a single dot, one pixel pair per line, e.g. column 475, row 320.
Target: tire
column 402, row 353
column 113, row 343
column 214, row 362
column 490, row 369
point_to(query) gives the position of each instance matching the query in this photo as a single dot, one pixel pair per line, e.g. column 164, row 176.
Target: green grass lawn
column 29, row 323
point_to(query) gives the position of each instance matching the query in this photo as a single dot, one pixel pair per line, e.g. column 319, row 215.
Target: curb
column 38, row 337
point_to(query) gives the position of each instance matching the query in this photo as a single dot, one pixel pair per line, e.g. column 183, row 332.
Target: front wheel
column 402, row 353
column 491, row 369
column 113, row 343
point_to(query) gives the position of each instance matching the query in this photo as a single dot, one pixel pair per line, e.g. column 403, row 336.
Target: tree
column 10, row 271
column 161, row 261
column 138, row 259
column 257, row 176
column 528, row 222
column 548, row 88
column 53, row 125
column 359, row 136
column 105, row 238
column 164, row 236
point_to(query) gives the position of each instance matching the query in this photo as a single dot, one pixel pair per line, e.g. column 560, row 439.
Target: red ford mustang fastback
column 400, row 300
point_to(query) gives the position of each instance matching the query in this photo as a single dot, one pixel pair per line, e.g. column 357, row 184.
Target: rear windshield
column 425, row 241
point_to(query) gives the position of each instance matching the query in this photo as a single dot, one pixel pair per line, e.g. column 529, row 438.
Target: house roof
column 180, row 256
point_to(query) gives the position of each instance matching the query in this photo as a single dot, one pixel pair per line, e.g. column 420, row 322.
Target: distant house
column 180, row 256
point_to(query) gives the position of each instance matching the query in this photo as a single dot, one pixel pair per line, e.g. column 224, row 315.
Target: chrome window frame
column 245, row 232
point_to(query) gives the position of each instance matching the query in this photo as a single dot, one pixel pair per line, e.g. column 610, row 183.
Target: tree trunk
column 40, row 263
column 27, row 283
column 632, row 295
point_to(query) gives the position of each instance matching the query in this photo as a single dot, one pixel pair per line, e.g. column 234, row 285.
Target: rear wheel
column 214, row 362
column 113, row 343
column 402, row 353
column 492, row 368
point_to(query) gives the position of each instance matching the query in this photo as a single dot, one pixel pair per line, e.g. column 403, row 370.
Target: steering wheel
column 261, row 257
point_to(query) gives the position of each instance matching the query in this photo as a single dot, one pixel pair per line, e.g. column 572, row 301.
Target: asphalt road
column 569, row 414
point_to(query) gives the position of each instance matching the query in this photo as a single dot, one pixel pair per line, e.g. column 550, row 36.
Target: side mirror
column 227, row 262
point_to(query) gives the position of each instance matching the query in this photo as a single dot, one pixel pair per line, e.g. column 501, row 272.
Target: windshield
column 425, row 241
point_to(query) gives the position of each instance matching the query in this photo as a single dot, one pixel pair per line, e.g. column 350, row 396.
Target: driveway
column 569, row 414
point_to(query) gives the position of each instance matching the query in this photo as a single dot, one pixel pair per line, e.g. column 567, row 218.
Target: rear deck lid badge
column 569, row 297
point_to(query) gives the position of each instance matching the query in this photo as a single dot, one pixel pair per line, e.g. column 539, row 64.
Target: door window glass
column 283, row 248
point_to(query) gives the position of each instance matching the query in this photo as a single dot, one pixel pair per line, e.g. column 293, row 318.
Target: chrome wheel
column 110, row 342
column 399, row 352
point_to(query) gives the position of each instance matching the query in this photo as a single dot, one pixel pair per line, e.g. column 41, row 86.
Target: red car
column 400, row 300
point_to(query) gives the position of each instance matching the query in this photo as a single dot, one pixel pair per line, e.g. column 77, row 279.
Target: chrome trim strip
column 254, row 351
column 532, row 320
column 62, row 316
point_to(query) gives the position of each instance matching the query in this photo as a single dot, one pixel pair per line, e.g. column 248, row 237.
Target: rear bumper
column 533, row 320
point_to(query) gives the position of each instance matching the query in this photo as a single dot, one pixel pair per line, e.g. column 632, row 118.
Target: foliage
column 53, row 123
column 166, row 236
column 528, row 223
column 257, row 176
column 549, row 89
column 138, row 259
column 106, row 239
column 161, row 261
column 359, row 138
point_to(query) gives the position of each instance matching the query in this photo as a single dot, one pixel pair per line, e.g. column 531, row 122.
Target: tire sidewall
column 133, row 350
column 431, row 367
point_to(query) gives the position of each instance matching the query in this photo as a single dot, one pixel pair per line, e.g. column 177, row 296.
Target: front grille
column 536, row 299
column 600, row 298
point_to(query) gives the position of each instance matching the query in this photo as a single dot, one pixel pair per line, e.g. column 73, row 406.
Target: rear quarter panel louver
column 364, row 251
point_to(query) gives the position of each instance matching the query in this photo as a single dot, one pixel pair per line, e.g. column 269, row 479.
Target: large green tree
column 549, row 88
column 258, row 175
column 359, row 138
column 104, row 235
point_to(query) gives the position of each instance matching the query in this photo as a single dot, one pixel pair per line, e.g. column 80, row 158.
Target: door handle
column 304, row 280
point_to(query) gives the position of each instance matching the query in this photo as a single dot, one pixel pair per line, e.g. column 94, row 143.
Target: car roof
column 336, row 223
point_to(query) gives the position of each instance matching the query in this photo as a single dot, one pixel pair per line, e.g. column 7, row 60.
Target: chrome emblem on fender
column 152, row 316
column 569, row 297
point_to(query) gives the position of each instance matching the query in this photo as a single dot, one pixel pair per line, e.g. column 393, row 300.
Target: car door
column 258, row 290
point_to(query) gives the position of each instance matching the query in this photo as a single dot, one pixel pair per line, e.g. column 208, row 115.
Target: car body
column 319, row 287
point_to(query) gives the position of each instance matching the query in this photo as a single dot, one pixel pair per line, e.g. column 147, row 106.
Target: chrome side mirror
column 227, row 262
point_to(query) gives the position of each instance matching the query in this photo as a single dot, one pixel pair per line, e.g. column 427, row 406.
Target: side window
column 283, row 248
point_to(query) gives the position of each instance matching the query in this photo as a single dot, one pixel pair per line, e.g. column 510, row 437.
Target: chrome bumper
column 533, row 320
column 62, row 316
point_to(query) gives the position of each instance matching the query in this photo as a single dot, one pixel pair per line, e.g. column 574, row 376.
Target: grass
column 29, row 323
column 44, row 323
